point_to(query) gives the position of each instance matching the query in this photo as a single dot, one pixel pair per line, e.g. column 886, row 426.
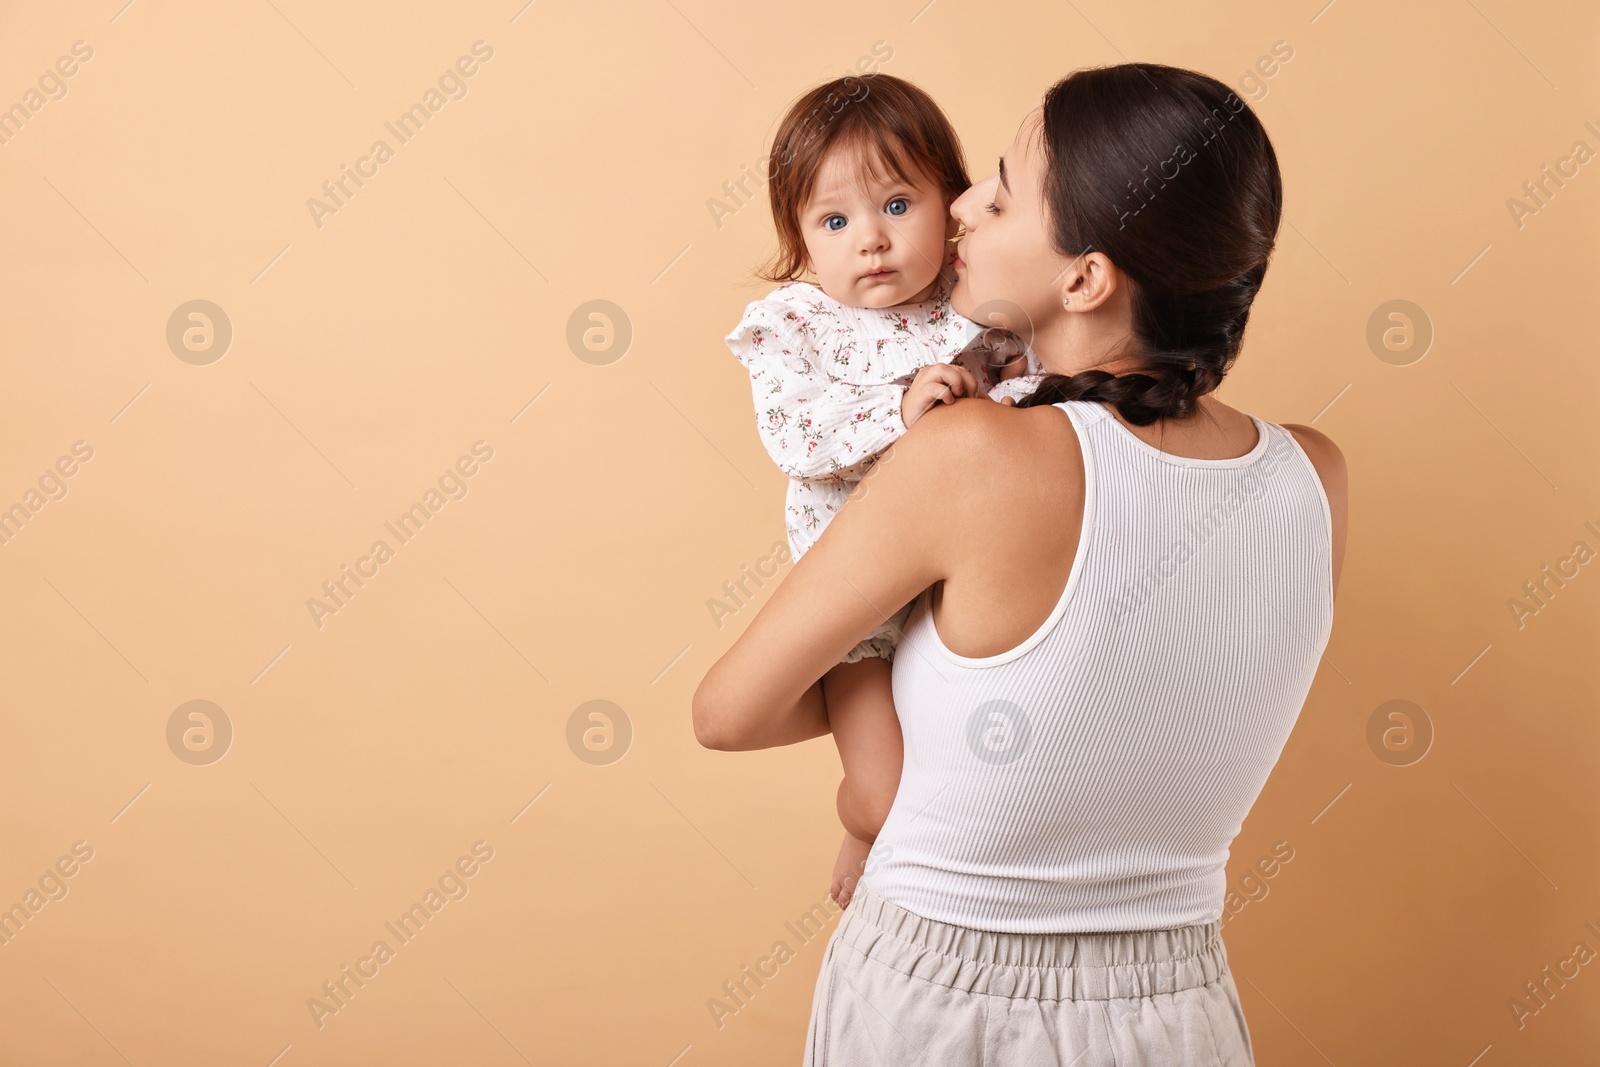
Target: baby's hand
column 936, row 383
column 1016, row 368
column 1005, row 353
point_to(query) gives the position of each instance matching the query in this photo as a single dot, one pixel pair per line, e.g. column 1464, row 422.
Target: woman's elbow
column 709, row 723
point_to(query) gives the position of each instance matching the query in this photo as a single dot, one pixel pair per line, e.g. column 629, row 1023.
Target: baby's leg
column 861, row 715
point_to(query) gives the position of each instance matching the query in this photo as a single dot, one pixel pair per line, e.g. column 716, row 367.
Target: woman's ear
column 1088, row 282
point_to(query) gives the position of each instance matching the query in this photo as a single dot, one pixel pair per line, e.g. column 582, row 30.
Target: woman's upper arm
column 889, row 542
column 1329, row 462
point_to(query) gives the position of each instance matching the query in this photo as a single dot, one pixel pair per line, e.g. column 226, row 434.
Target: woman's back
column 1092, row 776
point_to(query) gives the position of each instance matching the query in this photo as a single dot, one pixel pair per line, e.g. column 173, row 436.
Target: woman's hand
column 934, row 384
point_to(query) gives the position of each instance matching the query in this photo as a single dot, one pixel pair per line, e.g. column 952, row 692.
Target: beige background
column 432, row 710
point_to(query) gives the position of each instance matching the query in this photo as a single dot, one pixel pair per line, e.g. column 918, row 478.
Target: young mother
column 1123, row 588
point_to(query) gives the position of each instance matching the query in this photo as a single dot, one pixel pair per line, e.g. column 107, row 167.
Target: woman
column 1118, row 612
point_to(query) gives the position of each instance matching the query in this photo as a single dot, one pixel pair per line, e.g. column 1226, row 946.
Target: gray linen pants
column 898, row 989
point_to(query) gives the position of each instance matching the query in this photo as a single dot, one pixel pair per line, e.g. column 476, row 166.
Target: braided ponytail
column 1193, row 235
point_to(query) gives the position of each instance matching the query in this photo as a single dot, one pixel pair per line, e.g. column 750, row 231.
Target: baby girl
column 863, row 173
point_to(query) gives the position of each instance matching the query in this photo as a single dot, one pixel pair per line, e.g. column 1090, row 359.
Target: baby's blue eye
column 827, row 223
column 905, row 205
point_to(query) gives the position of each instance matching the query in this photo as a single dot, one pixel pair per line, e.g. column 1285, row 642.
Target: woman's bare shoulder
column 998, row 462
column 1329, row 462
column 1318, row 445
column 979, row 432
column 1326, row 457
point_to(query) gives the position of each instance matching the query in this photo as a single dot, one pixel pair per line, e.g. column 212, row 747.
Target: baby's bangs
column 879, row 157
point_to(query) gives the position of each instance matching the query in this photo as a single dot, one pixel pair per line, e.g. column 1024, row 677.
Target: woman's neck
column 1087, row 341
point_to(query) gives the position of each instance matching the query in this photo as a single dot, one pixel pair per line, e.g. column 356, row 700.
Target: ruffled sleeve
column 812, row 423
column 1024, row 385
column 773, row 331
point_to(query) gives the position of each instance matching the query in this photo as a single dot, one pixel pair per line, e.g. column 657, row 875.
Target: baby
column 863, row 173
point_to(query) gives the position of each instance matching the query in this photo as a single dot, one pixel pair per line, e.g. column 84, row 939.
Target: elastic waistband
column 1099, row 966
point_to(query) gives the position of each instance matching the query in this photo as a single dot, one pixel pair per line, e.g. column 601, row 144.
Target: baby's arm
column 811, row 424
column 1020, row 375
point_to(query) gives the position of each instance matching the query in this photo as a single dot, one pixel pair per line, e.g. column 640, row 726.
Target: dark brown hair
column 889, row 124
column 1169, row 174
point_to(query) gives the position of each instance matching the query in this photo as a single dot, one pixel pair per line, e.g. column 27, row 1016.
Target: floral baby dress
column 827, row 380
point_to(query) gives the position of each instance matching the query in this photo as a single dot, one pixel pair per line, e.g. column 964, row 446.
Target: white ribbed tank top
column 1093, row 777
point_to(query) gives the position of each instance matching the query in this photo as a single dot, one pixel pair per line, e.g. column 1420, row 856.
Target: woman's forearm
column 803, row 720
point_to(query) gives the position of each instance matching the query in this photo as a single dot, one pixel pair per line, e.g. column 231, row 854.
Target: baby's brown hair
column 886, row 121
